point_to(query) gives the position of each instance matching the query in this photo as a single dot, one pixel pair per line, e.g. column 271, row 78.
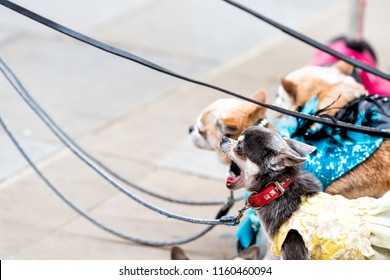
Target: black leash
column 156, row 243
column 124, row 54
column 310, row 41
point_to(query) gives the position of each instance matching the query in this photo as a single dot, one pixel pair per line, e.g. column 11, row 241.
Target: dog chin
column 202, row 143
column 235, row 187
column 238, row 178
column 235, row 179
column 199, row 141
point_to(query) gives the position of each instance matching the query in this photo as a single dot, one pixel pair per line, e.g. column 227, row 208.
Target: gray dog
column 301, row 221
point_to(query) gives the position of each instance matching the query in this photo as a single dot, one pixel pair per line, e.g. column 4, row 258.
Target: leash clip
column 235, row 220
column 241, row 212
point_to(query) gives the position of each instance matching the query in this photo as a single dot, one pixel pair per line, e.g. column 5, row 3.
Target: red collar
column 272, row 191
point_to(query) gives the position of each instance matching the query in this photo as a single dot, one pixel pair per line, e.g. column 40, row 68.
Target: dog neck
column 275, row 213
column 270, row 193
column 260, row 122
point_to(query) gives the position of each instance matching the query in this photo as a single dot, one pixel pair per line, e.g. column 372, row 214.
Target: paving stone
column 11, row 162
column 31, row 211
column 72, row 13
column 208, row 30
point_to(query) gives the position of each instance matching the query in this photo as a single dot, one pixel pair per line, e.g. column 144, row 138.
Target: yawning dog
column 300, row 220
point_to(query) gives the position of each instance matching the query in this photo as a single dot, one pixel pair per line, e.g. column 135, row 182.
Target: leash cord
column 22, row 91
column 124, row 54
column 229, row 220
column 310, row 41
column 224, row 209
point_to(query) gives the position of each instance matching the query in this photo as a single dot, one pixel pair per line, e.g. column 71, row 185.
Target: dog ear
column 251, row 253
column 291, row 155
column 177, row 253
column 259, row 95
column 290, row 87
column 301, row 148
column 343, row 67
column 228, row 126
column 285, row 159
column 252, row 112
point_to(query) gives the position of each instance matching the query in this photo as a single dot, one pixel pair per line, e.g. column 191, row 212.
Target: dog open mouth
column 234, row 176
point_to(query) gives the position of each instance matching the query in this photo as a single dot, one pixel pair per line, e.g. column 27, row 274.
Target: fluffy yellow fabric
column 334, row 227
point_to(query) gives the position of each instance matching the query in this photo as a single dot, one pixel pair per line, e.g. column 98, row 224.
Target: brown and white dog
column 334, row 86
column 225, row 117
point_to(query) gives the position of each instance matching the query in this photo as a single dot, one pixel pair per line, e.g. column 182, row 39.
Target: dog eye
column 202, row 133
column 239, row 149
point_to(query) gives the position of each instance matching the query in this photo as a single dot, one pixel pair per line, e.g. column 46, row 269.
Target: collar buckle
column 279, row 188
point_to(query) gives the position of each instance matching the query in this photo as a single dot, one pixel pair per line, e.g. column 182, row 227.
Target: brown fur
column 301, row 90
column 343, row 67
column 178, row 253
column 337, row 96
column 370, row 178
column 304, row 83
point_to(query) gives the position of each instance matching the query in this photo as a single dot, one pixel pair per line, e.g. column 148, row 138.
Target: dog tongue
column 231, row 181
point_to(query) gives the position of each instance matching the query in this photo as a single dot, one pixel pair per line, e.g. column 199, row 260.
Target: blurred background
column 135, row 119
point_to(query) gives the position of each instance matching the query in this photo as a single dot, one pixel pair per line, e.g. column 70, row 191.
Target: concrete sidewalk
column 136, row 121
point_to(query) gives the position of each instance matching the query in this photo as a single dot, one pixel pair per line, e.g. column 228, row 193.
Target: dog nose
column 224, row 139
column 191, row 129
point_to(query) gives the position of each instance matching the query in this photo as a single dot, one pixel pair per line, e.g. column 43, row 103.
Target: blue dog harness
column 339, row 152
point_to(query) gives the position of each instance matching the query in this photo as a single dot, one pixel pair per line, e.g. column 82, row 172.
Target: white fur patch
column 249, row 172
column 251, row 168
column 199, row 124
column 197, row 139
column 241, row 138
column 283, row 99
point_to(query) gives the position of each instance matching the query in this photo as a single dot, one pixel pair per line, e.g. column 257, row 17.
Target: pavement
column 136, row 120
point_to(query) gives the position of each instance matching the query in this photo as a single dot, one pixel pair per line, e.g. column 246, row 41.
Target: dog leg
column 294, row 247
